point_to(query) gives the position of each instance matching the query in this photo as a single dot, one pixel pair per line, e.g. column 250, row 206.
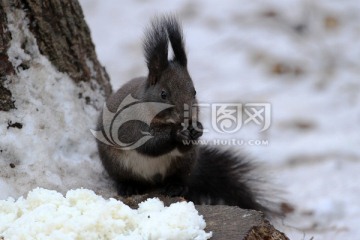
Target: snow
column 301, row 56
column 83, row 215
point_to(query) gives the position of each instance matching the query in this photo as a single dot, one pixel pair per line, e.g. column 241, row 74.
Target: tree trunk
column 6, row 102
column 62, row 35
column 52, row 88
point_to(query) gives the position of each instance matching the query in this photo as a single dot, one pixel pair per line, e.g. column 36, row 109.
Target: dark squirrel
column 168, row 161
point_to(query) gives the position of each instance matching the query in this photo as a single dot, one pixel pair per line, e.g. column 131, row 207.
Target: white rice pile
column 82, row 214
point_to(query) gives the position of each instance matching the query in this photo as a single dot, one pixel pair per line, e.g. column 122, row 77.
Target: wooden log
column 225, row 222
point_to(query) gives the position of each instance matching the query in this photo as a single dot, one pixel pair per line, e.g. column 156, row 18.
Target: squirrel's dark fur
column 201, row 174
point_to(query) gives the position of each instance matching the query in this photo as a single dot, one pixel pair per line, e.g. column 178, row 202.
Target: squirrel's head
column 168, row 81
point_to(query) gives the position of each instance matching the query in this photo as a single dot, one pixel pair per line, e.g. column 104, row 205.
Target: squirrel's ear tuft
column 156, row 50
column 175, row 34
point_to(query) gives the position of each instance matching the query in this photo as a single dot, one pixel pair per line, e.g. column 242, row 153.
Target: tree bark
column 6, row 68
column 62, row 35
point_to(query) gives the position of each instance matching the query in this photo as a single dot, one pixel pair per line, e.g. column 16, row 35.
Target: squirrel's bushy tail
column 221, row 177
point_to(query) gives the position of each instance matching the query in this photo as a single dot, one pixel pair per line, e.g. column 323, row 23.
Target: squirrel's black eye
column 163, row 94
column 194, row 92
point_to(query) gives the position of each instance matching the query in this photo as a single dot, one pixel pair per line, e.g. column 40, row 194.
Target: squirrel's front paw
column 182, row 135
column 190, row 133
column 197, row 131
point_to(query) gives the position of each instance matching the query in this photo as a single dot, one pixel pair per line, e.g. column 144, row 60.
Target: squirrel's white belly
column 147, row 166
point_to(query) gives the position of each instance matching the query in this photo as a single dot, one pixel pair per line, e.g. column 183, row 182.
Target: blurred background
column 301, row 56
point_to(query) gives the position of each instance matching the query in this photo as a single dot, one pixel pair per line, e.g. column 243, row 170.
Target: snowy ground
column 300, row 56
